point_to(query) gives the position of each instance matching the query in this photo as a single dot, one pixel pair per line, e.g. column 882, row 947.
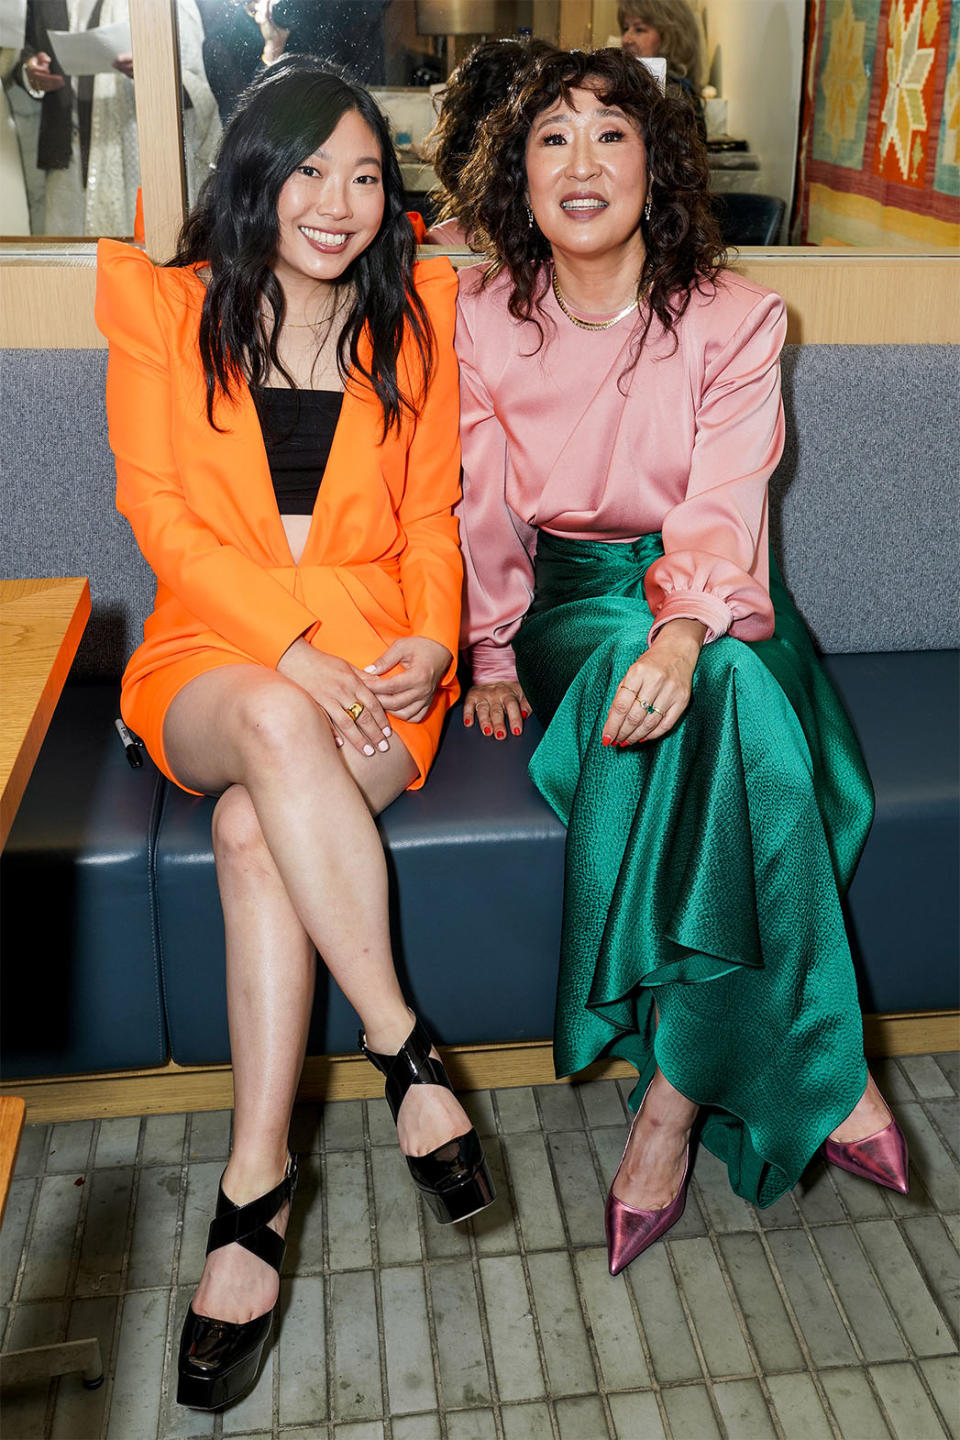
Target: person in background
column 478, row 85
column 87, row 143
column 620, row 419
column 14, row 206
column 669, row 29
column 244, row 35
column 282, row 405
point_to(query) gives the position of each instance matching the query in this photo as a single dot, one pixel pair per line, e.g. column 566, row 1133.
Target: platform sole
column 450, row 1207
column 215, row 1392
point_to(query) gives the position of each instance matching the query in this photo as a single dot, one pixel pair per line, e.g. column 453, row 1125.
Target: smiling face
column 330, row 209
column 640, row 39
column 587, row 178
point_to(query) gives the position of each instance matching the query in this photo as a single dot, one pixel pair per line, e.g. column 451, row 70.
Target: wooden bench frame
column 171, row 1088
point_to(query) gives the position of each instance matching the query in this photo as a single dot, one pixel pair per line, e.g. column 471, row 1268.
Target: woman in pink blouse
column 621, row 417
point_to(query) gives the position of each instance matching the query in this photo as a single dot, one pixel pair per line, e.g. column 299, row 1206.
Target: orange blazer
column 381, row 559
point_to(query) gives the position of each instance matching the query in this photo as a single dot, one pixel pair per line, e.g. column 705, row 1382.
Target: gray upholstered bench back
column 862, row 518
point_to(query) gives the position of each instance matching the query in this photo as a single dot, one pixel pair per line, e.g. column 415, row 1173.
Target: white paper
column 91, row 52
column 13, row 24
column 657, row 66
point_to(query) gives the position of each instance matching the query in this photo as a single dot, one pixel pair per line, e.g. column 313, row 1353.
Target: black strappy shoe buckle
column 219, row 1360
column 453, row 1179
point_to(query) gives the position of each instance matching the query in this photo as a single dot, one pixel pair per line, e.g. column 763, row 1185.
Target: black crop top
column 298, row 427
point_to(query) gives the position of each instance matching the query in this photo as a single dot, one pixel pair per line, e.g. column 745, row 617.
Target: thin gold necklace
column 311, row 324
column 590, row 324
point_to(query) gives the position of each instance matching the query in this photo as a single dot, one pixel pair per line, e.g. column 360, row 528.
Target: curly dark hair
column 283, row 116
column 480, row 83
column 683, row 245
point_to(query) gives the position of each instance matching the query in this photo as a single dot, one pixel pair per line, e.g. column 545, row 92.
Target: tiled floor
column 834, row 1313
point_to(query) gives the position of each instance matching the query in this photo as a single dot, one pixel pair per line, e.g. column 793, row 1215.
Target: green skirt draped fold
column 703, row 871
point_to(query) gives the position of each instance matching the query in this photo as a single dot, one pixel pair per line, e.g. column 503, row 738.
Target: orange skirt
column 364, row 614
column 145, row 702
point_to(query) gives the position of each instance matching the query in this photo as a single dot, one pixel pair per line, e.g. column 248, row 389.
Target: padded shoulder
column 135, row 297
column 125, row 309
column 435, row 281
column 731, row 300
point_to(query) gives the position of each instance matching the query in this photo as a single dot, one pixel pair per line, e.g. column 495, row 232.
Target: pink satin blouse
column 566, row 439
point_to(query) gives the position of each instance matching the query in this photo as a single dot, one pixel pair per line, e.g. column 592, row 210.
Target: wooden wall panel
column 172, row 1088
column 832, row 299
column 48, row 305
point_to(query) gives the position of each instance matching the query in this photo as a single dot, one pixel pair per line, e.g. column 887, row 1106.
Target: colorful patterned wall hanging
column 879, row 155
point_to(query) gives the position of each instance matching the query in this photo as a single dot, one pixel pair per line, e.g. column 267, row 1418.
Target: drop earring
column 529, row 218
column 647, row 209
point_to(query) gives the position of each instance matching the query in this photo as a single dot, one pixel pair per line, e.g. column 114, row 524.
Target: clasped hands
column 403, row 680
column 649, row 700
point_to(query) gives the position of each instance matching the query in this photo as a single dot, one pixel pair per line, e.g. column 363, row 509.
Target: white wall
column 755, row 59
column 755, row 54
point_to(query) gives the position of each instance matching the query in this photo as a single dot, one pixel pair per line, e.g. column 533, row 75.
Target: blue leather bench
column 113, row 946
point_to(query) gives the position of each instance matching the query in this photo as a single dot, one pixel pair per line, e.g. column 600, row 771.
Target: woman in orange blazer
column 301, row 654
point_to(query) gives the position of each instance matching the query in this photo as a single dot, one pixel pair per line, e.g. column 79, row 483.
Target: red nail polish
column 501, row 734
column 607, row 740
column 487, row 730
column 516, row 729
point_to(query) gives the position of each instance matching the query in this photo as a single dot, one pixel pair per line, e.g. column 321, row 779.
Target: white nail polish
column 370, row 669
column 387, row 731
column 368, row 750
column 383, row 745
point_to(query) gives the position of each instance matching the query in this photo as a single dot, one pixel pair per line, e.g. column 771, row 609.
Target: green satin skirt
column 703, row 871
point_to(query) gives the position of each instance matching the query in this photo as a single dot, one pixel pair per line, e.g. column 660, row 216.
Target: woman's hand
column 661, row 679
column 274, row 37
column 420, row 665
column 495, row 706
column 124, row 63
column 336, row 686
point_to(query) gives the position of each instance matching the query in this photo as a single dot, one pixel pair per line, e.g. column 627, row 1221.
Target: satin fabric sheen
column 570, row 436
column 704, row 870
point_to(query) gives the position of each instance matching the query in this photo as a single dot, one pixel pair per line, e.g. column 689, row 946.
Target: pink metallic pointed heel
column 881, row 1157
column 630, row 1231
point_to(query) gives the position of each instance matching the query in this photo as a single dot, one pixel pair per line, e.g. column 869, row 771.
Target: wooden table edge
column 36, row 731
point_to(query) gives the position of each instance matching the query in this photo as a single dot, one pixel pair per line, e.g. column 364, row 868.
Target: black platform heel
column 219, row 1360
column 453, row 1179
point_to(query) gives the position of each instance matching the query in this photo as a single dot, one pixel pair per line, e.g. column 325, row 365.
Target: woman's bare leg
column 300, row 864
column 271, row 968
column 869, row 1115
column 652, row 1167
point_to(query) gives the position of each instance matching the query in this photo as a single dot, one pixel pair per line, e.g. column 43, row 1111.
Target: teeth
column 583, row 205
column 324, row 237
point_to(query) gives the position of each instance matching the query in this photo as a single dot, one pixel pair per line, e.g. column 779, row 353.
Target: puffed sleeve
column 223, row 588
column 431, row 571
column 715, row 566
column 496, row 543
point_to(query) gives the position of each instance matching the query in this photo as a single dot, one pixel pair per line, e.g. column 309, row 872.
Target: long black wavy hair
column 288, row 111
column 683, row 245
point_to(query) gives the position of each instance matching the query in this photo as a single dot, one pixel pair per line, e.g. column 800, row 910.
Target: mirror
column 70, row 158
column 878, row 163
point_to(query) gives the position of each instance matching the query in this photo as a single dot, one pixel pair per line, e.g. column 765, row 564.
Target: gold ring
column 356, row 709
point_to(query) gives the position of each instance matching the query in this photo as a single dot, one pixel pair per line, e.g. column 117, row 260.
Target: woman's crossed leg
column 300, row 866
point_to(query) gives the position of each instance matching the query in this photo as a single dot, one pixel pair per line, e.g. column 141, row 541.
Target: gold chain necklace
column 590, row 324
